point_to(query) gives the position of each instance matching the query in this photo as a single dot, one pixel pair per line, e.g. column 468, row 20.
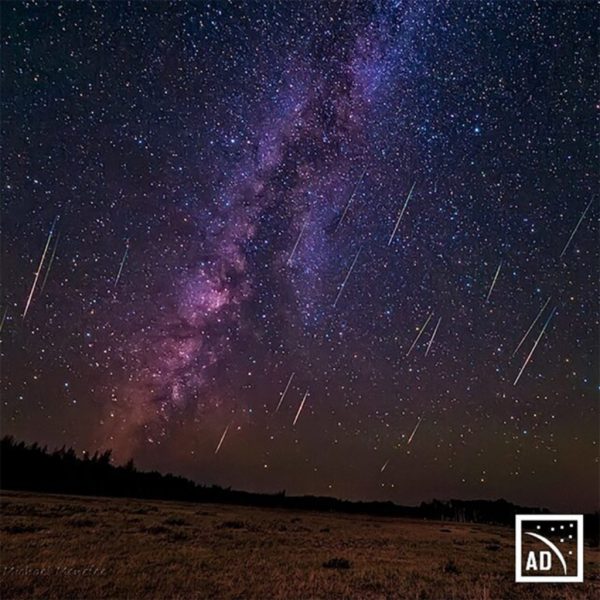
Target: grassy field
column 74, row 547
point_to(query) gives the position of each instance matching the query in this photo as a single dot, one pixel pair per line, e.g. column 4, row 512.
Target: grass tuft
column 337, row 563
column 451, row 568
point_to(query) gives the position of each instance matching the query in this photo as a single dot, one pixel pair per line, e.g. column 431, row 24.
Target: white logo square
column 549, row 548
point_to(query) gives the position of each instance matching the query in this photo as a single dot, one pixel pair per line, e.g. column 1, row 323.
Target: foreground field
column 73, row 547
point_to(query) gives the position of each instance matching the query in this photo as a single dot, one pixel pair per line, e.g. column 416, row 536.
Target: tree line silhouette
column 34, row 468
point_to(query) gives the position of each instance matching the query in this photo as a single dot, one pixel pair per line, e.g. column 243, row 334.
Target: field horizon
column 34, row 468
column 61, row 546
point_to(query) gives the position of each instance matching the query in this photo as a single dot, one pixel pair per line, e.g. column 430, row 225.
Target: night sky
column 356, row 210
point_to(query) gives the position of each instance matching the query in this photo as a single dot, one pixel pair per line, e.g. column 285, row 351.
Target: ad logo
column 549, row 548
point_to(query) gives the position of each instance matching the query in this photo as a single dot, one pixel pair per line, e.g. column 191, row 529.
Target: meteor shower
column 306, row 286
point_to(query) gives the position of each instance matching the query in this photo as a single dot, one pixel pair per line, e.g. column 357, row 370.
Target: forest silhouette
column 34, row 468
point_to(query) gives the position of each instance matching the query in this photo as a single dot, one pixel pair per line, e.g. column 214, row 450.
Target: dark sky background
column 217, row 185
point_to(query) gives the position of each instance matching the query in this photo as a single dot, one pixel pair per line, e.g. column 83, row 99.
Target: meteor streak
column 222, row 438
column 576, row 228
column 401, row 213
column 537, row 341
column 122, row 263
column 350, row 200
column 300, row 407
column 43, row 286
column 39, row 269
column 287, row 387
column 346, row 279
column 412, row 435
column 385, row 465
column 494, row 282
column 3, row 319
column 289, row 261
column 419, row 334
column 531, row 326
column 432, row 336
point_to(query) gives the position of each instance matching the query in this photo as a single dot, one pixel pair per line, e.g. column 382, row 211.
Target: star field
column 364, row 205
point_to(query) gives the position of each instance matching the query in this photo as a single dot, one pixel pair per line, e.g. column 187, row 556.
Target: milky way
column 286, row 233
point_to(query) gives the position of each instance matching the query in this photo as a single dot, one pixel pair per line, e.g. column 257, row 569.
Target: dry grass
column 72, row 547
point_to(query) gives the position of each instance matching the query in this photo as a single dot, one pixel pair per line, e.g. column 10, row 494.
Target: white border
column 519, row 578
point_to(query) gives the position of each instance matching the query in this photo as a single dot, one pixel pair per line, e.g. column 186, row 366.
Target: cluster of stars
column 344, row 248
